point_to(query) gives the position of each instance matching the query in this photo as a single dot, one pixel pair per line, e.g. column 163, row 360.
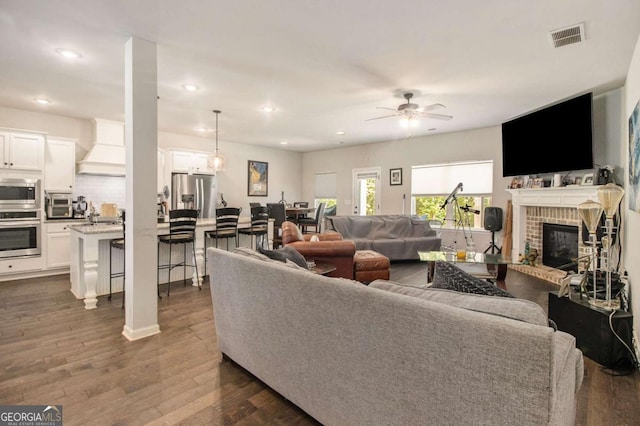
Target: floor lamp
column 610, row 196
column 590, row 212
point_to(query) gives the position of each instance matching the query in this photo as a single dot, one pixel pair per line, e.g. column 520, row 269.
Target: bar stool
column 259, row 224
column 226, row 228
column 117, row 244
column 182, row 231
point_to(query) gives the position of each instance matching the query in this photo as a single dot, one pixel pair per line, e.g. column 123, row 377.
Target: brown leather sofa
column 331, row 248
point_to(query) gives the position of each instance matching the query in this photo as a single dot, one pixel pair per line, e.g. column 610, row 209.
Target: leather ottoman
column 369, row 265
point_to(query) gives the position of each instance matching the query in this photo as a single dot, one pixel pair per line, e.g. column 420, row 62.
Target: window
column 431, row 185
column 325, row 192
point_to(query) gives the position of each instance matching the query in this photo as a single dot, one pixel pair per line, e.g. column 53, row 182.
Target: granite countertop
column 103, row 228
column 66, row 220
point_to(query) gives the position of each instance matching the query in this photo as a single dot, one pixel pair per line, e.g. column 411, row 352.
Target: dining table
column 294, row 213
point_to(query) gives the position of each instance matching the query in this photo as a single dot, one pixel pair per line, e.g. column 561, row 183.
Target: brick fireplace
column 535, row 206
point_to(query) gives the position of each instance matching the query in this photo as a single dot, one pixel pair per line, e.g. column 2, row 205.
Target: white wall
column 285, row 168
column 631, row 218
column 479, row 144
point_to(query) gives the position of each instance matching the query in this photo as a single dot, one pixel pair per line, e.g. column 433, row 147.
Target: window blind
column 441, row 179
column 325, row 185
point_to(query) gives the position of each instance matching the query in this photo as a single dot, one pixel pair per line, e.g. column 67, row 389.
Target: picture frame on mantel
column 587, row 180
column 257, row 179
column 395, row 177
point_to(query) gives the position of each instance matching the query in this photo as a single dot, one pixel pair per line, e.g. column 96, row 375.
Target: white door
column 366, row 191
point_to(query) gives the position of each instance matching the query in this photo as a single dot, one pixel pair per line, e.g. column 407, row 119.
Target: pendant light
column 218, row 161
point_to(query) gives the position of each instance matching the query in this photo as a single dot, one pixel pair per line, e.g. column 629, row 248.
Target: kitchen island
column 90, row 257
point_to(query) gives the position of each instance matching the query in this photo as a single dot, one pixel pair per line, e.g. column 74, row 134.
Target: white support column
column 141, row 142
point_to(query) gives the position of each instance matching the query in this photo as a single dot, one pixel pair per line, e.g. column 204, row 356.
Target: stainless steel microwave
column 19, row 193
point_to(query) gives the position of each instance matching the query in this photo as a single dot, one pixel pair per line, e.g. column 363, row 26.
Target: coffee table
column 488, row 266
column 321, row 267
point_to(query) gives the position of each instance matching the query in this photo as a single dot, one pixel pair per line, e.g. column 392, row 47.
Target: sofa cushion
column 449, row 276
column 245, row 251
column 286, row 253
column 518, row 309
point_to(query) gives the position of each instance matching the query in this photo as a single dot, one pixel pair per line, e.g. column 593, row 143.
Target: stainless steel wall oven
column 20, row 218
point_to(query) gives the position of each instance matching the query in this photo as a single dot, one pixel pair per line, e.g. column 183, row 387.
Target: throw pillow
column 518, row 309
column 287, row 252
column 449, row 276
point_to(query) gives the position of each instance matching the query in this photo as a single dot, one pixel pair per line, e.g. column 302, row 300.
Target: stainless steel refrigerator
column 194, row 191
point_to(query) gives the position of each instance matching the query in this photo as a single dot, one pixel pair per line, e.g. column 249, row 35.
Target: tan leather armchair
column 331, row 248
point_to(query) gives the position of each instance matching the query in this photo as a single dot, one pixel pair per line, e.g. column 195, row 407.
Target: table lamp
column 590, row 212
column 610, row 196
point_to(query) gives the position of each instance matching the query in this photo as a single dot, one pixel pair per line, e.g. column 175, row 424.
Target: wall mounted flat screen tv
column 557, row 138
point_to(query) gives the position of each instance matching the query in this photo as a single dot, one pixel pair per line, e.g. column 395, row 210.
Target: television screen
column 558, row 138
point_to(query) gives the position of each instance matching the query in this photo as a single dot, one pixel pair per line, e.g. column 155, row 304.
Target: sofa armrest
column 325, row 248
column 325, row 236
column 339, row 253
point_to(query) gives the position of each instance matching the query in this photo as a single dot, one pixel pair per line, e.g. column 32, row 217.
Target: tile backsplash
column 101, row 189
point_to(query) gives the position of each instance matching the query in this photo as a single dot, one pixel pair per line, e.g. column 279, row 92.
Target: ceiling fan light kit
column 410, row 112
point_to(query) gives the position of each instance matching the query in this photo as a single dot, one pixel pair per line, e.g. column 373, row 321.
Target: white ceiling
column 325, row 65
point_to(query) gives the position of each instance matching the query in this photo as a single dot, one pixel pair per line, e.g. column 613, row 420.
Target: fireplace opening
column 560, row 246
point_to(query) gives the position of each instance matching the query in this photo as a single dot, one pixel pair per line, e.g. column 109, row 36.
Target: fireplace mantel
column 562, row 197
column 567, row 196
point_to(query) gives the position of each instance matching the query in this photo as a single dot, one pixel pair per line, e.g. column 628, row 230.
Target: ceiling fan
column 411, row 111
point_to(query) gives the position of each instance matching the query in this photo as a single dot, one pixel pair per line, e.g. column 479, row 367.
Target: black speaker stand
column 493, row 247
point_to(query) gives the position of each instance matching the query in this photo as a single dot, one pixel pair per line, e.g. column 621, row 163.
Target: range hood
column 106, row 155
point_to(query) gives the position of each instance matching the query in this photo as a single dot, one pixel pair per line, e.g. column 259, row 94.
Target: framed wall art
column 258, row 179
column 633, row 193
column 587, row 179
column 395, row 177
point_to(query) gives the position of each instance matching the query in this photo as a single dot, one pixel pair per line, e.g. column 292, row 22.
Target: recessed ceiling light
column 68, row 53
column 284, row 143
column 42, row 101
column 268, row 109
column 340, row 133
column 204, row 130
column 190, row 87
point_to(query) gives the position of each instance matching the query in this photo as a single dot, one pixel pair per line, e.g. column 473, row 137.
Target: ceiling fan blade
column 390, row 109
column 378, row 118
column 432, row 107
column 437, row 116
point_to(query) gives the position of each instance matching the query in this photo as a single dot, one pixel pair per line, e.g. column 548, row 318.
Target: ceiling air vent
column 568, row 35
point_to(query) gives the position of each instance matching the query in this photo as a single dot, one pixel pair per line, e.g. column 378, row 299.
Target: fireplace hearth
column 560, row 246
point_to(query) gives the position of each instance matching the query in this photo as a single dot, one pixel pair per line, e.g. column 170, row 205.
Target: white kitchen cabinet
column 21, row 151
column 190, row 161
column 16, row 265
column 57, row 247
column 60, row 165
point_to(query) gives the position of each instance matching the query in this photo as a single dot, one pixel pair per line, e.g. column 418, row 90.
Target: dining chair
column 182, row 232
column 226, row 229
column 251, row 205
column 277, row 212
column 259, row 225
column 117, row 244
column 315, row 222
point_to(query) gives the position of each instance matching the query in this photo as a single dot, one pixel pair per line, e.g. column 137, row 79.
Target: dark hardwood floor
column 53, row 351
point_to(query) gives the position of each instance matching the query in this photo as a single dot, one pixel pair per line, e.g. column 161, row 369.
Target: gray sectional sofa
column 385, row 354
column 398, row 237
